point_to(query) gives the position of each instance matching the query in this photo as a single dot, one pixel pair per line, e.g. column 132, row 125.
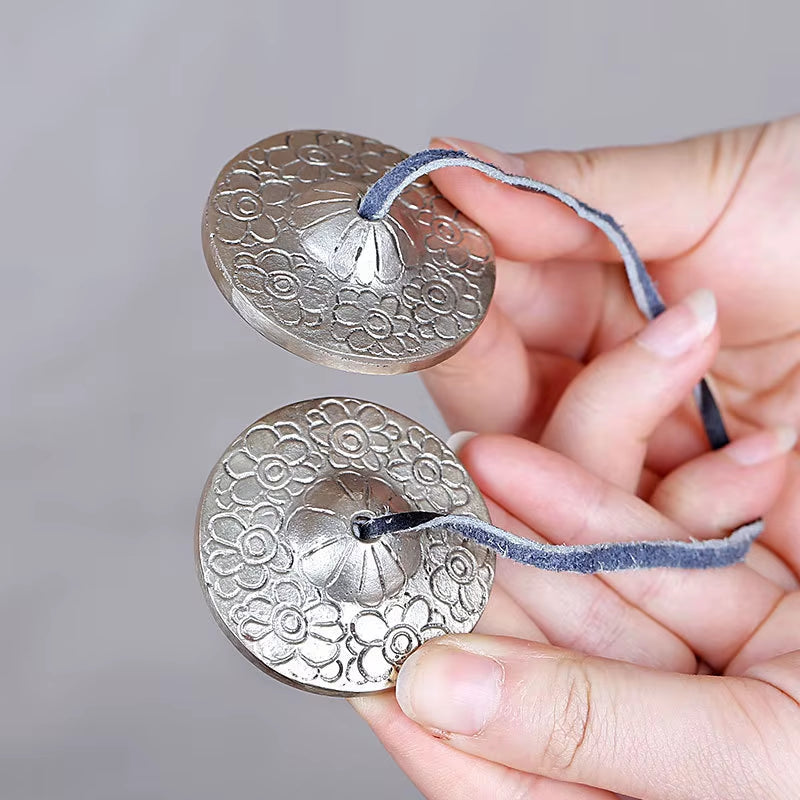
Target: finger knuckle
column 596, row 498
column 572, row 720
column 585, row 164
column 659, row 588
column 602, row 624
column 765, row 722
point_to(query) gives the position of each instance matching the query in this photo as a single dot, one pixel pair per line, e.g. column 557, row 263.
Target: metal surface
column 286, row 246
column 284, row 571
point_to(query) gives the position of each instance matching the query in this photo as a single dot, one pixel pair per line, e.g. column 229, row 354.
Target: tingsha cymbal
column 285, row 243
column 285, row 572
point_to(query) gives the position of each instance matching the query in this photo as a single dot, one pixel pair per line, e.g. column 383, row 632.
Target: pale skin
column 658, row 684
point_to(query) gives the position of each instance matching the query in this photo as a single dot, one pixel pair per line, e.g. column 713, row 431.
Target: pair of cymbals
column 284, row 570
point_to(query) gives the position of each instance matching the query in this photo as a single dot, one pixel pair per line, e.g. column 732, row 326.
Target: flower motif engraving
column 450, row 239
column 443, row 303
column 331, row 231
column 329, row 554
column 286, row 569
column 460, row 576
column 285, row 285
column 372, row 323
column 376, row 158
column 381, row 641
column 275, row 462
column 249, row 209
column 444, row 242
column 288, row 627
column 242, row 555
column 417, row 198
column 311, row 156
column 286, row 245
column 428, row 472
column 353, row 434
column 478, row 250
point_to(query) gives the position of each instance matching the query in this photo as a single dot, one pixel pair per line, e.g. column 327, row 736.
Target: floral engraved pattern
column 444, row 242
column 249, row 210
column 371, row 323
column 428, row 473
column 478, row 250
column 287, row 570
column 284, row 284
column 376, row 158
column 289, row 627
column 289, row 250
column 311, row 156
column 353, row 434
column 382, row 641
column 275, row 462
column 331, row 557
column 444, row 304
column 241, row 555
column 460, row 577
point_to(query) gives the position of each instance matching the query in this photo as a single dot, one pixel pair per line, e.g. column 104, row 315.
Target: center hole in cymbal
column 359, row 524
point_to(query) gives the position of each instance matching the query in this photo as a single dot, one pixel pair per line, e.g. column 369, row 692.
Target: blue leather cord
column 604, row 556
column 585, row 558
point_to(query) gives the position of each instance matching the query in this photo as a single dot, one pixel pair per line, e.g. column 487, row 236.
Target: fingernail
column 449, row 689
column 506, row 161
column 681, row 328
column 762, row 446
column 458, row 439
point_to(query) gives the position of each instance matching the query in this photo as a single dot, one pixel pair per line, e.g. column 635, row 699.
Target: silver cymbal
column 285, row 573
column 286, row 246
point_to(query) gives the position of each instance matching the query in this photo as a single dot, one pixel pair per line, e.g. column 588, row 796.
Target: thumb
column 667, row 196
column 587, row 720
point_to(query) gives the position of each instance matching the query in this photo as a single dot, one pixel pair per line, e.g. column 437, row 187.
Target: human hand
column 660, row 619
column 719, row 211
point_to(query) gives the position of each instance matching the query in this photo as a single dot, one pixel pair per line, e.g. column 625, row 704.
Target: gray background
column 125, row 373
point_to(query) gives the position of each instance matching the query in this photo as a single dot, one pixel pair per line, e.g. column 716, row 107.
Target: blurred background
column 125, row 373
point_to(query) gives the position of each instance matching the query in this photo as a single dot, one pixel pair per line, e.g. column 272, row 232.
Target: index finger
column 667, row 196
